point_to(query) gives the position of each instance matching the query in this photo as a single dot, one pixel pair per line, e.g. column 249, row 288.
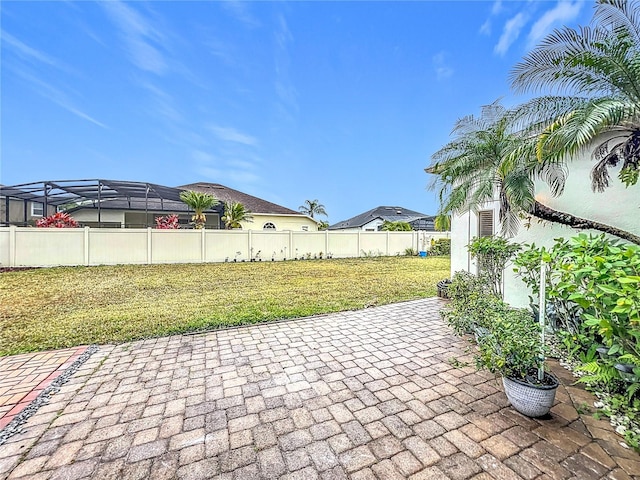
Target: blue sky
column 338, row 101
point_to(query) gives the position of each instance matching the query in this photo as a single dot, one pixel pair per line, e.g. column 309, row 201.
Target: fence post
column 250, row 244
column 86, row 246
column 291, row 254
column 12, row 245
column 358, row 245
column 149, row 246
column 326, row 243
column 203, row 247
column 388, row 233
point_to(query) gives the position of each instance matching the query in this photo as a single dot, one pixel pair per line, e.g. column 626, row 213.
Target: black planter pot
column 443, row 288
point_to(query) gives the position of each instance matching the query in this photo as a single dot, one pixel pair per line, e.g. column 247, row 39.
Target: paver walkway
column 370, row 394
column 23, row 377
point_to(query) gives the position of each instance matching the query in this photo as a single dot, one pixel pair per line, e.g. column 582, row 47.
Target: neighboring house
column 372, row 220
column 617, row 206
column 126, row 204
column 21, row 211
column 266, row 215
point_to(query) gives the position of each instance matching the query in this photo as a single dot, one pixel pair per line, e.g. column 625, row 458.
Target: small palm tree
column 596, row 71
column 388, row 226
column 442, row 223
column 199, row 202
column 234, row 214
column 312, row 208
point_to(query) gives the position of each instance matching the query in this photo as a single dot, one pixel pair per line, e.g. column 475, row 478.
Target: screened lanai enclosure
column 97, row 203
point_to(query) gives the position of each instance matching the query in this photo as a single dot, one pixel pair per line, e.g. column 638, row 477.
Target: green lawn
column 61, row 307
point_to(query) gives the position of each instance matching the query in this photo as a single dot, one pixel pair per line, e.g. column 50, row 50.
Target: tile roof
column 226, row 194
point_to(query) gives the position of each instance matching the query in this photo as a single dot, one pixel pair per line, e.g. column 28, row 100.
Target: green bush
column 593, row 290
column 492, row 254
column 441, row 246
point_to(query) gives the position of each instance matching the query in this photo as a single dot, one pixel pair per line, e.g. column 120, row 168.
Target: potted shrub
column 513, row 349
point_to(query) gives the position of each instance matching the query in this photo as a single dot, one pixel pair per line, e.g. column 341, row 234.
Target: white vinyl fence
column 37, row 247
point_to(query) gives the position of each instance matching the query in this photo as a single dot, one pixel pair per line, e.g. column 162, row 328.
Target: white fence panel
column 171, row 246
column 6, row 247
column 344, row 244
column 112, row 246
column 226, row 245
column 270, row 245
column 50, row 246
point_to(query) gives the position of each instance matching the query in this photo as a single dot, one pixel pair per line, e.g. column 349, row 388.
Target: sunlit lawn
column 62, row 307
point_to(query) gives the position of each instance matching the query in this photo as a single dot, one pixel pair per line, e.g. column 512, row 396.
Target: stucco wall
column 617, row 206
column 282, row 222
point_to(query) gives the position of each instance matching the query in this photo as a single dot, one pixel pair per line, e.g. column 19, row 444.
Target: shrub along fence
column 30, row 247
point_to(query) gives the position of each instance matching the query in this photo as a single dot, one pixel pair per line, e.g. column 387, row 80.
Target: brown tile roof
column 226, row 194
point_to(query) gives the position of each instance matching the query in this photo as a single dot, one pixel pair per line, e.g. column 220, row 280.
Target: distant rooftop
column 419, row 221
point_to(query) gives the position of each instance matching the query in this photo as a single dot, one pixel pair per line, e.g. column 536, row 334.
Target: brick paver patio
column 371, row 394
column 23, row 377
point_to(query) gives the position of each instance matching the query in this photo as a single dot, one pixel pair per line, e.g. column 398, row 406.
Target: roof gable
column 226, row 194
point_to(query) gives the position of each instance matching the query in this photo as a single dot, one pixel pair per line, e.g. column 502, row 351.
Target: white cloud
column 57, row 96
column 510, row 33
column 27, row 52
column 441, row 66
column 239, row 10
column 229, row 134
column 141, row 38
column 564, row 11
column 485, row 28
column 497, row 7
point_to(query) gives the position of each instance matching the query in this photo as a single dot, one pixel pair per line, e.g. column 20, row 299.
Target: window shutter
column 485, row 223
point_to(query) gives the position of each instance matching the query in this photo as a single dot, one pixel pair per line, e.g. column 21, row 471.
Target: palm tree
column 199, row 202
column 490, row 158
column 312, row 208
column 442, row 223
column 601, row 64
column 234, row 214
column 399, row 226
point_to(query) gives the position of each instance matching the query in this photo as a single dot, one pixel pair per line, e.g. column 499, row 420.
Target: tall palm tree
column 312, row 208
column 199, row 202
column 234, row 214
column 595, row 72
column 490, row 157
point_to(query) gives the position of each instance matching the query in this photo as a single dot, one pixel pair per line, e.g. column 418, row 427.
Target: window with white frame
column 37, row 209
column 485, row 223
column 268, row 226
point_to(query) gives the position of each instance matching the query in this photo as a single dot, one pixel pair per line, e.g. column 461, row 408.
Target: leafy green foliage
column 50, row 308
column 399, row 226
column 492, row 254
column 442, row 246
column 593, row 290
column 234, row 214
column 600, row 63
column 510, row 344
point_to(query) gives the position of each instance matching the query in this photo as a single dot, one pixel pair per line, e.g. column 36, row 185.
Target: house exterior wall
column 617, row 206
column 16, row 211
column 282, row 222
